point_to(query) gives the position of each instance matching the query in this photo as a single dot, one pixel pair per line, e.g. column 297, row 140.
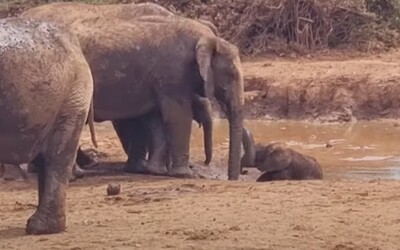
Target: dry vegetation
column 302, row 26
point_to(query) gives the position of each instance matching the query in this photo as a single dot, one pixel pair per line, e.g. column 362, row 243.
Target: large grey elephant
column 126, row 12
column 160, row 63
column 147, row 134
column 278, row 162
column 46, row 90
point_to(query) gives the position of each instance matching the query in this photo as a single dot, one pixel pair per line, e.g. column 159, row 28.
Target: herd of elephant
column 148, row 71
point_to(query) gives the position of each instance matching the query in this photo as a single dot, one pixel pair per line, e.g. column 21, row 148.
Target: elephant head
column 220, row 69
column 274, row 157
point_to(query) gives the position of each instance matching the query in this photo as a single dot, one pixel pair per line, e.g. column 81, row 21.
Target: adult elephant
column 46, row 90
column 160, row 63
column 148, row 134
column 128, row 12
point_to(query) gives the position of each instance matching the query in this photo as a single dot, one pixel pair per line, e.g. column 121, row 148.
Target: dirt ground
column 332, row 88
column 164, row 213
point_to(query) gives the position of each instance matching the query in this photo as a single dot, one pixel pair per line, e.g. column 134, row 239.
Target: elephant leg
column 158, row 143
column 177, row 116
column 82, row 159
column 133, row 139
column 13, row 172
column 58, row 158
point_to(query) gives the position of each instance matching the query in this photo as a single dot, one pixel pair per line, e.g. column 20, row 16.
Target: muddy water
column 366, row 150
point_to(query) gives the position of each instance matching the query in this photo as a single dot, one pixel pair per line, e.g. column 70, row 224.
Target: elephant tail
column 91, row 124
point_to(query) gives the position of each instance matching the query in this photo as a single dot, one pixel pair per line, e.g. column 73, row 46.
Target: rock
column 113, row 189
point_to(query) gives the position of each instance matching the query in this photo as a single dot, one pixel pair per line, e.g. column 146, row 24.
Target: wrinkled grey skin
column 127, row 12
column 149, row 136
column 11, row 172
column 160, row 63
column 46, row 89
column 82, row 160
column 278, row 162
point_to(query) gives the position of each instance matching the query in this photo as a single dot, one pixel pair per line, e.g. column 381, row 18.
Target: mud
column 346, row 210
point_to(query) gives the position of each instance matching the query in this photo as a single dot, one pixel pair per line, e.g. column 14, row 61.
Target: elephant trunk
column 208, row 146
column 249, row 156
column 235, row 118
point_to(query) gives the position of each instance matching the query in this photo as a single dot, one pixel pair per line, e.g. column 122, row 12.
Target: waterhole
column 360, row 150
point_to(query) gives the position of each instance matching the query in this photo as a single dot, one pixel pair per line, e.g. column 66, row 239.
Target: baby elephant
column 278, row 162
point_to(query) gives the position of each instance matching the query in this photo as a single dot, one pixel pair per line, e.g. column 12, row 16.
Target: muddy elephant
column 46, row 90
column 160, row 63
column 127, row 12
column 278, row 162
column 147, row 134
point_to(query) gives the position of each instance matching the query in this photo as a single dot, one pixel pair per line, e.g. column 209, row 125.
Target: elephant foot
column 93, row 163
column 45, row 223
column 13, row 173
column 77, row 173
column 156, row 169
column 181, row 172
column 85, row 161
column 138, row 167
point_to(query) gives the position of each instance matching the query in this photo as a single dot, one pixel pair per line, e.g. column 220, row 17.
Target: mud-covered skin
column 126, row 12
column 147, row 134
column 278, row 162
column 159, row 62
column 46, row 88
column 82, row 160
column 11, row 172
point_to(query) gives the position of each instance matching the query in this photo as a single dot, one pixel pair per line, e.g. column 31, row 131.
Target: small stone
column 113, row 189
column 328, row 145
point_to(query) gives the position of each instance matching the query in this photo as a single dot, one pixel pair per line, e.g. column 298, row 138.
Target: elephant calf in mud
column 278, row 162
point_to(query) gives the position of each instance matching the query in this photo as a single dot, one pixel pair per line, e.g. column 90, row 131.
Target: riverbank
column 329, row 89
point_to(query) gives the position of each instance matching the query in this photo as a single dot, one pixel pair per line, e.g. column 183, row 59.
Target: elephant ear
column 205, row 49
column 277, row 158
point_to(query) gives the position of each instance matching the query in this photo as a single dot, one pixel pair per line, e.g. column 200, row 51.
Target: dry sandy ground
column 153, row 213
column 161, row 213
